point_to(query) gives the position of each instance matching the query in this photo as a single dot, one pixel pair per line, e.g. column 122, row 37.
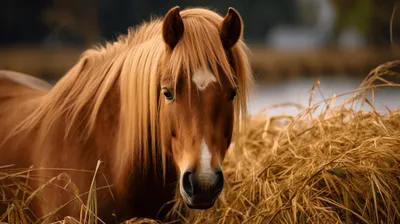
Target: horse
column 158, row 107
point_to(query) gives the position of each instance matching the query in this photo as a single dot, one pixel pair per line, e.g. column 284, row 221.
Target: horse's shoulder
column 24, row 80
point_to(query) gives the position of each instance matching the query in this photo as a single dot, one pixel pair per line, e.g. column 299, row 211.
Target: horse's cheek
column 176, row 152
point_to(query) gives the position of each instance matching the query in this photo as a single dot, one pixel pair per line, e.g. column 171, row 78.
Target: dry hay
column 338, row 165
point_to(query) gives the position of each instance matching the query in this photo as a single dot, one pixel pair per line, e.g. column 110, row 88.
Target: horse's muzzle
column 200, row 191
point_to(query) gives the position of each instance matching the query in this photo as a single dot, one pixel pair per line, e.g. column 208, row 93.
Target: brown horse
column 158, row 107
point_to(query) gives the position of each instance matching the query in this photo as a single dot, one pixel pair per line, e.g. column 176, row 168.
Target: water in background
column 298, row 91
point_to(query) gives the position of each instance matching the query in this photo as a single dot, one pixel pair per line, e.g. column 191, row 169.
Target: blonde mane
column 132, row 66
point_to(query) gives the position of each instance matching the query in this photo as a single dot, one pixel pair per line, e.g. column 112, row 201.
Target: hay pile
column 339, row 166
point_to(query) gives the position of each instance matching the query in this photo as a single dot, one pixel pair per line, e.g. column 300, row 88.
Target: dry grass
column 329, row 164
column 18, row 195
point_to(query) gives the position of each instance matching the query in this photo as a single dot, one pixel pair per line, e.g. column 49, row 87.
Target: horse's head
column 197, row 107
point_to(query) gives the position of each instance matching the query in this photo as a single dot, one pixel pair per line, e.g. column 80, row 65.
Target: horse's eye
column 168, row 94
column 232, row 95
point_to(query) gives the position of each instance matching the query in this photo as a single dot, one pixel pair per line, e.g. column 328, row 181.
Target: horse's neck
column 150, row 195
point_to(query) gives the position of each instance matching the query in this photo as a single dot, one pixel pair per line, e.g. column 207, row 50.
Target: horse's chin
column 198, row 206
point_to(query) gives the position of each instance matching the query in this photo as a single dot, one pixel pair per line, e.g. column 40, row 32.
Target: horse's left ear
column 231, row 28
column 172, row 29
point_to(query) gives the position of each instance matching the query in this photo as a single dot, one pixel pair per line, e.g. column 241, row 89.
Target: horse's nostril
column 219, row 182
column 187, row 183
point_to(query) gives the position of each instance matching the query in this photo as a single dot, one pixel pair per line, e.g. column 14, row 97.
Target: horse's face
column 197, row 120
column 199, row 126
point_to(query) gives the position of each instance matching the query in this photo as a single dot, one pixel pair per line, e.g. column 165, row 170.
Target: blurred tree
column 371, row 17
column 380, row 22
column 355, row 13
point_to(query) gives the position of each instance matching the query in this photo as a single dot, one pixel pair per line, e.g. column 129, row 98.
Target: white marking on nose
column 202, row 78
column 205, row 159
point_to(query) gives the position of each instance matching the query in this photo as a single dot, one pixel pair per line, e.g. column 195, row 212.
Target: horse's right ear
column 172, row 29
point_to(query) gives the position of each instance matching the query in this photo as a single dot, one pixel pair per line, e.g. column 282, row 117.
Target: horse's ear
column 231, row 28
column 172, row 29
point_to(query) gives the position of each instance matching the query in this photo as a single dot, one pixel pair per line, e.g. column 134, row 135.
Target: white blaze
column 202, row 78
column 205, row 159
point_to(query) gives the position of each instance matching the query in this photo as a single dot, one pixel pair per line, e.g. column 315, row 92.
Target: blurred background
column 293, row 42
